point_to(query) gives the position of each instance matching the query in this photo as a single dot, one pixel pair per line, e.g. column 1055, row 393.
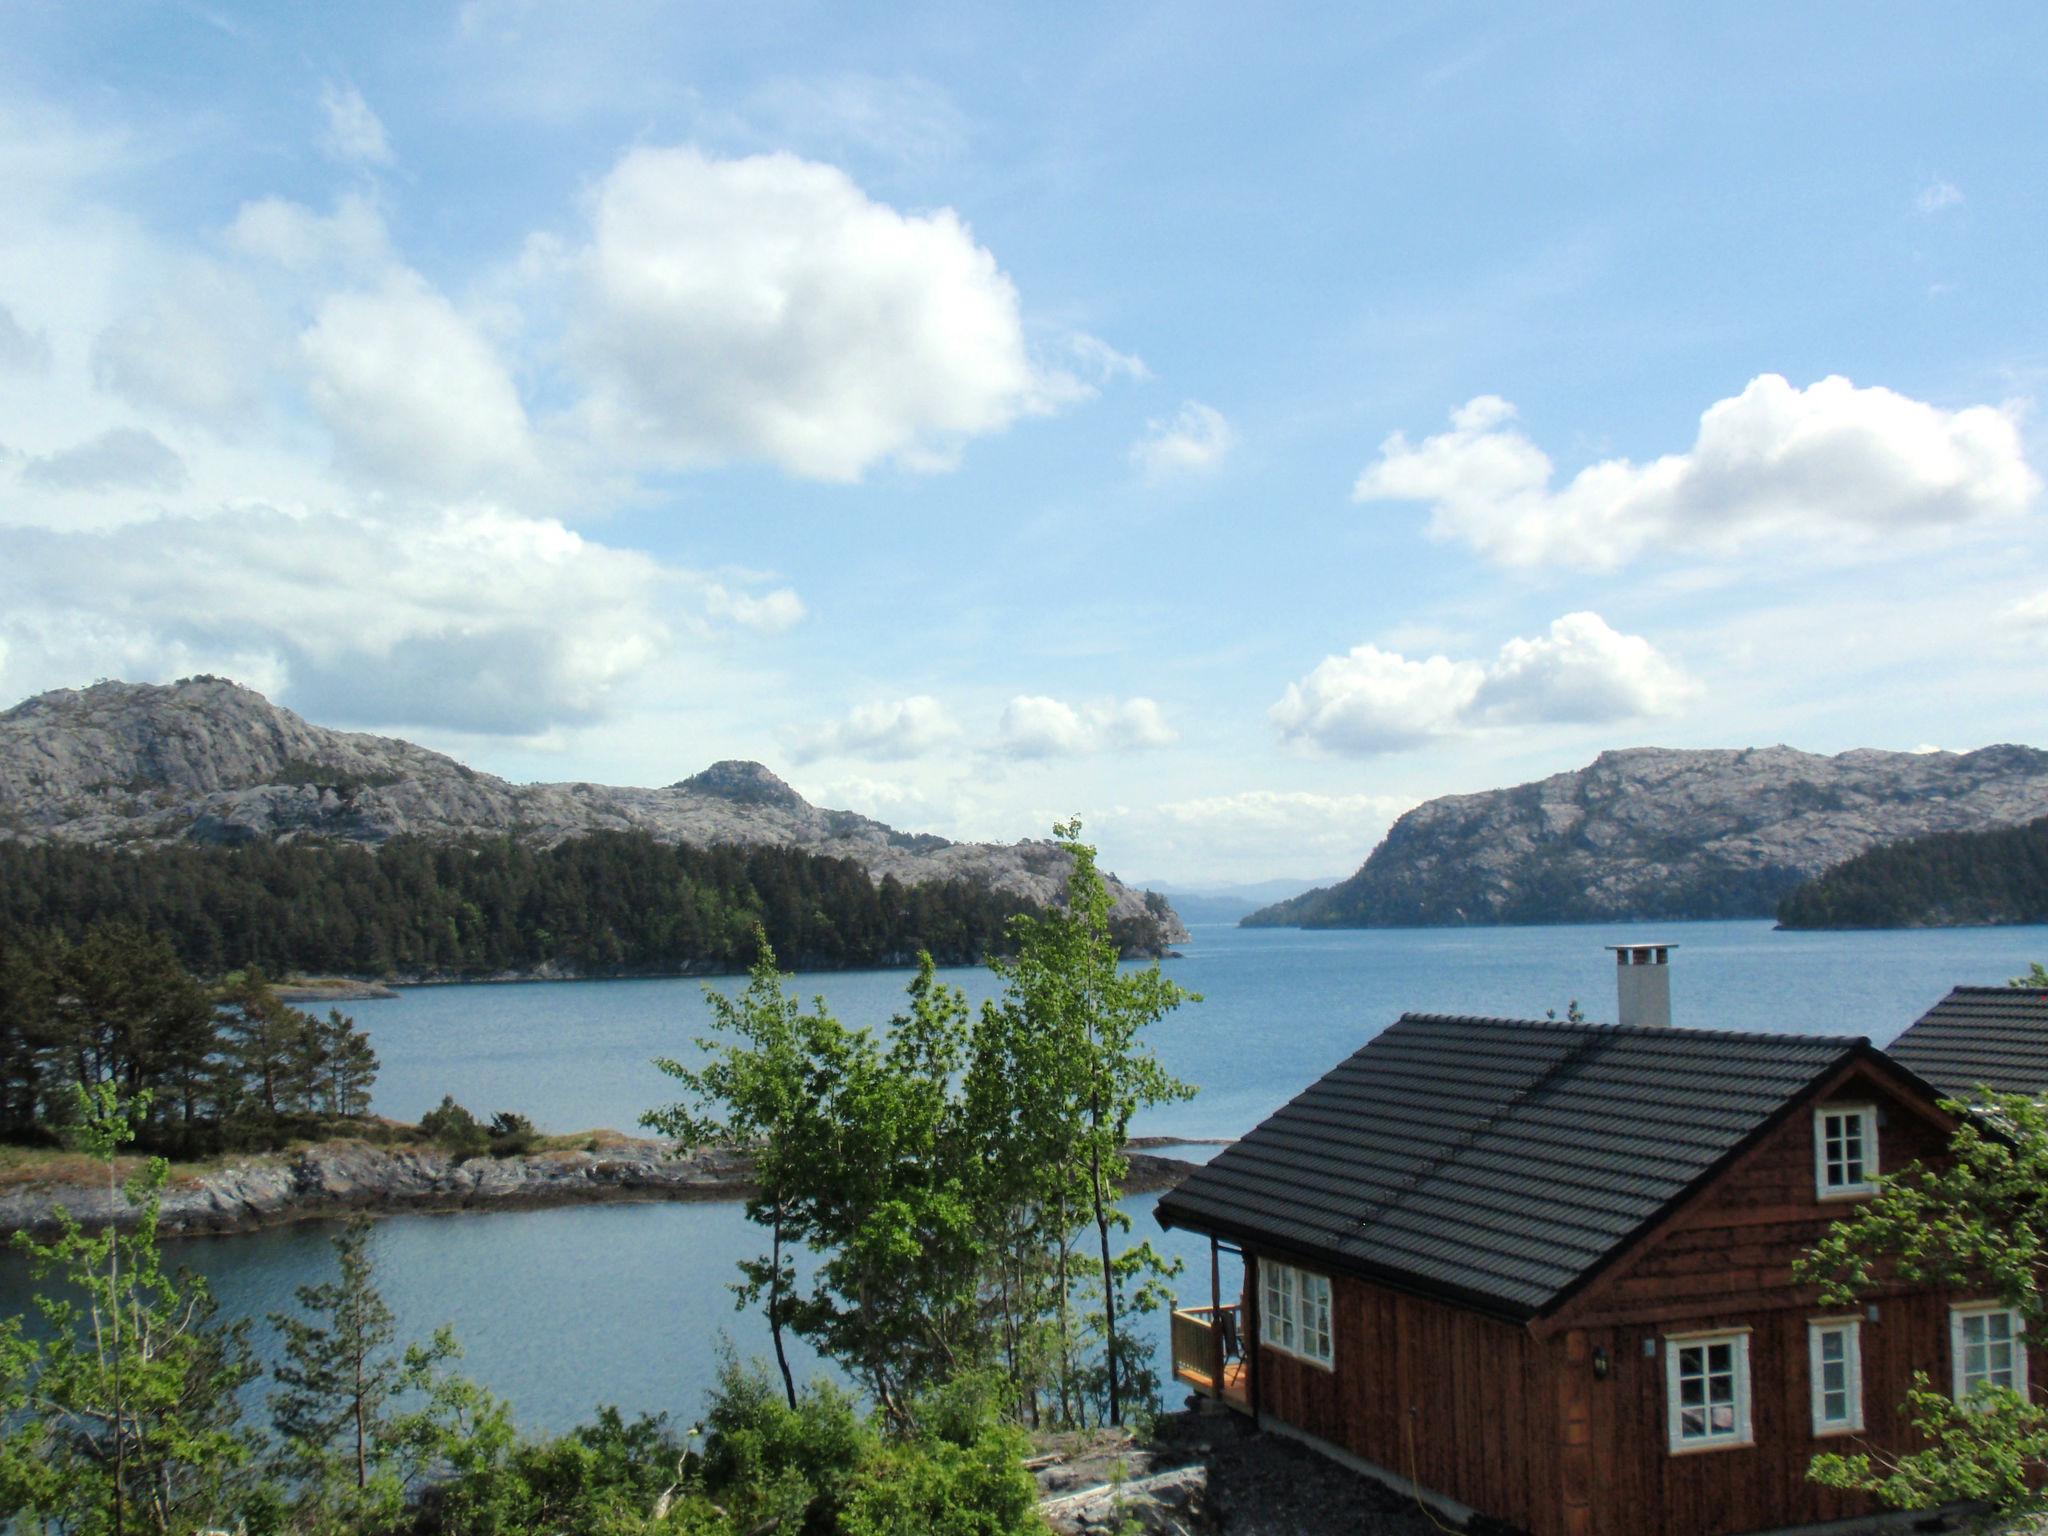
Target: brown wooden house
column 1542, row 1271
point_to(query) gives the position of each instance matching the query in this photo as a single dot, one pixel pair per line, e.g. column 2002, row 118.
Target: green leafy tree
column 127, row 1416
column 455, row 1129
column 1977, row 1222
column 1071, row 1020
column 761, row 1089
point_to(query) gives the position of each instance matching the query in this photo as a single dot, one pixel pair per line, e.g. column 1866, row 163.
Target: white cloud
column 121, row 458
column 1194, row 442
column 1580, row 672
column 1937, row 195
column 411, row 391
column 901, row 728
column 766, row 308
column 294, row 237
column 353, row 133
column 21, row 350
column 475, row 619
column 1827, row 462
column 1033, row 725
column 1369, row 701
column 767, row 613
column 199, row 342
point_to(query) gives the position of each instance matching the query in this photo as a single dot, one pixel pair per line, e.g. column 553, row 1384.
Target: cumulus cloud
column 294, row 237
column 767, row 613
column 353, row 134
column 475, row 619
column 21, row 350
column 882, row 732
column 121, row 458
column 1371, row 701
column 1193, row 442
column 411, row 391
column 766, row 308
column 1034, row 725
column 1829, row 461
column 1937, row 195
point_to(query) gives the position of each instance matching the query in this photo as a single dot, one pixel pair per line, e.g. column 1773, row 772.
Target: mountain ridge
column 205, row 760
column 1659, row 832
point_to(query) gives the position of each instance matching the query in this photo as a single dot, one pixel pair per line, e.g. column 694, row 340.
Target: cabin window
column 1706, row 1382
column 1845, row 1150
column 1834, row 1355
column 1296, row 1314
column 1986, row 1350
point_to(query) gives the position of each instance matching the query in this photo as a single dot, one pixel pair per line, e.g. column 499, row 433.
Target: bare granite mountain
column 205, row 760
column 1657, row 833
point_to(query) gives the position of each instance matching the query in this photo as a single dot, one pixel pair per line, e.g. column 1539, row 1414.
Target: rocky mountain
column 205, row 760
column 1658, row 833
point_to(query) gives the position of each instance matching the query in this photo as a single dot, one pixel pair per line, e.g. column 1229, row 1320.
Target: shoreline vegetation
column 326, row 1180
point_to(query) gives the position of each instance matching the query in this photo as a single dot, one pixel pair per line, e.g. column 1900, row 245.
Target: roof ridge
column 1659, row 1031
column 1463, row 1144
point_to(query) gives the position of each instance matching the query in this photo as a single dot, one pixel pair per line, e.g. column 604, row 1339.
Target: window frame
column 1956, row 1346
column 1852, row 1367
column 1867, row 1137
column 1744, row 1431
column 1296, row 1300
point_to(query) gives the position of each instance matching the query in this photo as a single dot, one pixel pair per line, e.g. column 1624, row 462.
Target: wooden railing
column 1198, row 1348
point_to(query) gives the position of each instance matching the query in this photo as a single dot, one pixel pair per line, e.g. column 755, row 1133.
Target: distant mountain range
column 206, row 761
column 1203, row 903
column 1658, row 833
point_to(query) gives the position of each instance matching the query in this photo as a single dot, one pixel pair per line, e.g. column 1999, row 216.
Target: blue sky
column 1233, row 425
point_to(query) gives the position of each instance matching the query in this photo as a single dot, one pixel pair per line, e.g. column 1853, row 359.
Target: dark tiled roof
column 1994, row 1035
column 1497, row 1161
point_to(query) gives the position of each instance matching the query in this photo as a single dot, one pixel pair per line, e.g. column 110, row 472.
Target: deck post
column 1248, row 1332
column 1217, row 1364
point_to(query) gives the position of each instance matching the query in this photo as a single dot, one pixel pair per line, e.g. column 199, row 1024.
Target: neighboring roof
column 1980, row 1035
column 1498, row 1161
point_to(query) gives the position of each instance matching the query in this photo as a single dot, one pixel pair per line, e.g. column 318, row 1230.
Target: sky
column 1231, row 425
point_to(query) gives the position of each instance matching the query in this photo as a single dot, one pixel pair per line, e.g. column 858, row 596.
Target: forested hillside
column 1950, row 879
column 615, row 903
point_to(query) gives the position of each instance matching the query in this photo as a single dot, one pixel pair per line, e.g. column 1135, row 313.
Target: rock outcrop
column 205, row 760
column 1655, row 833
column 336, row 1177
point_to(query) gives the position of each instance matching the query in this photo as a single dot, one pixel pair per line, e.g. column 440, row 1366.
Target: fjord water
column 563, row 1310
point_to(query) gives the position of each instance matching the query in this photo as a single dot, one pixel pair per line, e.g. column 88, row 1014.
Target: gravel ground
column 1256, row 1484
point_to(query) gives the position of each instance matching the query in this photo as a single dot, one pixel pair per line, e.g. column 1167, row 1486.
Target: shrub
column 512, row 1135
column 454, row 1129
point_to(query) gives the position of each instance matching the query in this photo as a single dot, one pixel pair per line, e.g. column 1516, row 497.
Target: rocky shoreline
column 339, row 1177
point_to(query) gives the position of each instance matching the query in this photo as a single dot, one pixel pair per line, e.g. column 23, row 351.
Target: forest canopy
column 1947, row 879
column 613, row 903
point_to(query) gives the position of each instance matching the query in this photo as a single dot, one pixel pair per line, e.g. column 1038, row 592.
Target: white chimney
column 1642, row 979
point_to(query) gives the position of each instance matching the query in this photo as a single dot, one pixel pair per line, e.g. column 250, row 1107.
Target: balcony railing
column 1198, row 1354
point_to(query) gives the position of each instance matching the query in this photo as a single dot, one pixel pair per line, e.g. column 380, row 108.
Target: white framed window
column 1295, row 1312
column 1844, row 1150
column 1834, row 1360
column 1706, row 1388
column 1986, row 1349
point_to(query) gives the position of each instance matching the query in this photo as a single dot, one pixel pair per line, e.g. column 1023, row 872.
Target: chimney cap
column 1642, row 944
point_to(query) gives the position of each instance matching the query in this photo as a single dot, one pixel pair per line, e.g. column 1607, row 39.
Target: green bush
column 512, row 1135
column 455, row 1129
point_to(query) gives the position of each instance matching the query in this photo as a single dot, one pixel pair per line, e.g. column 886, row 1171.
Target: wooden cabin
column 1542, row 1271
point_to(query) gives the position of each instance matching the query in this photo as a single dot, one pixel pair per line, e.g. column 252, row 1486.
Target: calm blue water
column 563, row 1310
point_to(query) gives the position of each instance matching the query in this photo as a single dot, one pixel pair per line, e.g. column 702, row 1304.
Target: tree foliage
column 611, row 903
column 956, row 1180
column 1999, row 875
column 200, row 1068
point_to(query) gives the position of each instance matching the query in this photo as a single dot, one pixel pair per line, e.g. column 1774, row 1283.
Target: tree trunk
column 775, row 1309
column 1116, row 1412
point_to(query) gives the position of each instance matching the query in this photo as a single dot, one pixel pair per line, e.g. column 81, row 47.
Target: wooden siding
column 1724, row 1260
column 1438, row 1393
